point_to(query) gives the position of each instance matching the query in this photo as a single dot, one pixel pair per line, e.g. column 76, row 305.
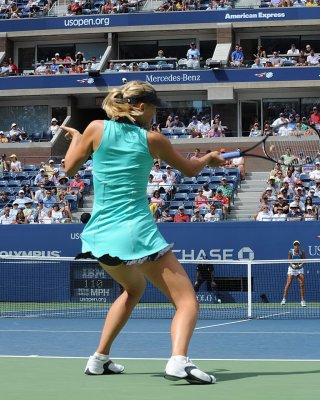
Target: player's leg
column 286, row 288
column 301, row 282
column 168, row 275
column 133, row 283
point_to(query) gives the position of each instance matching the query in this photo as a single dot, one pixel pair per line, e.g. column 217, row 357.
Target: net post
column 249, row 265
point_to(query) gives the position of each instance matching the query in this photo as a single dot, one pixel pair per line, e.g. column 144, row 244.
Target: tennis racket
column 297, row 149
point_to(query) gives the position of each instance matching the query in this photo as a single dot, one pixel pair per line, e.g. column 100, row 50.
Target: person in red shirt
column 77, row 187
column 315, row 116
column 181, row 216
column 224, row 201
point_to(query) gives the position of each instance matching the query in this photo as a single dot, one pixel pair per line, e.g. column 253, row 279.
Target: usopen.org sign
column 154, row 20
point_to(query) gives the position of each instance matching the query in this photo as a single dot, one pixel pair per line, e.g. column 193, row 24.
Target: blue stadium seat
column 216, row 180
column 29, row 167
column 192, row 196
column 219, row 171
column 304, row 177
column 181, row 196
column 87, row 187
column 183, row 188
column 13, row 183
column 188, row 205
column 73, row 201
column 3, row 183
column 233, row 172
column 21, row 176
column 25, row 182
column 174, row 205
column 206, row 172
column 203, row 179
column 189, row 181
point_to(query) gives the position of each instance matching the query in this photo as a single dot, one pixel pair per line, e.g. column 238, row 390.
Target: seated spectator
column 217, row 121
column 13, row 67
column 39, row 179
column 212, row 215
column 6, row 218
column 215, row 131
column 261, row 53
column 176, row 123
column 72, row 69
column 15, row 164
column 223, row 5
column 30, row 212
column 281, row 203
column 48, row 200
column 79, row 67
column 226, row 188
column 201, row 201
column 194, row 123
column 279, row 215
column 294, row 213
column 134, row 67
column 54, row 66
column 41, row 69
column 161, row 59
column 255, row 130
column 151, row 186
column 58, row 58
column 309, row 203
column 54, row 127
column 27, row 191
column 16, row 134
column 237, row 57
column 309, row 214
column 165, row 186
column 5, row 69
column 265, row 214
column 56, row 214
column 49, row 168
column 48, row 183
column 275, row 60
column 107, row 8
column 165, row 217
column 268, row 64
column 3, row 139
column 311, row 3
column 315, row 174
column 42, row 213
column 207, row 191
column 40, row 194
column 196, row 154
column 14, row 210
column 225, row 203
column 293, row 53
column 4, row 199
column 312, row 59
column 169, row 120
column 257, row 64
column 76, row 8
column 299, row 3
column 285, row 130
column 156, row 172
column 64, row 205
column 239, row 162
column 197, row 217
column 302, row 59
column 156, row 200
column 77, row 186
column 204, row 127
column 61, row 70
column 68, row 58
column 290, row 179
column 21, row 199
column 300, row 190
column 181, row 216
column 123, row 68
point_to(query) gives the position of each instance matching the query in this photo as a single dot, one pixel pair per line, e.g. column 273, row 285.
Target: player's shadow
column 232, row 376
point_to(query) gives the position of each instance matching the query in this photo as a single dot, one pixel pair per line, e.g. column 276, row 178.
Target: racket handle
column 231, row 154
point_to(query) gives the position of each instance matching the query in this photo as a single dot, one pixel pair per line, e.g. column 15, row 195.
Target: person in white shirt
column 278, row 122
column 315, row 174
column 312, row 59
column 264, row 215
column 280, row 215
column 41, row 69
column 6, row 218
column 212, row 216
column 151, row 186
column 156, row 172
column 293, row 52
column 204, row 127
column 171, row 176
column 285, row 130
column 194, row 123
column 54, row 127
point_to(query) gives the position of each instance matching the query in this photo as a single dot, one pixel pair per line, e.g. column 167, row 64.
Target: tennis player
column 295, row 269
column 121, row 233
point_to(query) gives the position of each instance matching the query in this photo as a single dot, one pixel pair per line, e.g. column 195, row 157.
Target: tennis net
column 68, row 288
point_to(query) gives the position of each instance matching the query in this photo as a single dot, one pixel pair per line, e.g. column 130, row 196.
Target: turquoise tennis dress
column 121, row 224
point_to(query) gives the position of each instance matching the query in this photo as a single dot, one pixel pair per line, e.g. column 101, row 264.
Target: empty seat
column 183, row 188
column 181, row 196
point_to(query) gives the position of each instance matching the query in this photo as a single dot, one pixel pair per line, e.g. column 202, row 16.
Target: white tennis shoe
column 283, row 302
column 180, row 367
column 303, row 303
column 95, row 366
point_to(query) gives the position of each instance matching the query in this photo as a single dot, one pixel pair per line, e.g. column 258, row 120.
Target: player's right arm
column 161, row 147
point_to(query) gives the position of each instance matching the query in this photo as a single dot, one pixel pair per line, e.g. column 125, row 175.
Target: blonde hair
column 116, row 104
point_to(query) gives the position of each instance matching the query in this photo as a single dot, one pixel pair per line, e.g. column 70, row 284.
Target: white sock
column 101, row 357
column 179, row 358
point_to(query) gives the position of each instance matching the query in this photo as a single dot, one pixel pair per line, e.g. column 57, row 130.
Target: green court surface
column 34, row 378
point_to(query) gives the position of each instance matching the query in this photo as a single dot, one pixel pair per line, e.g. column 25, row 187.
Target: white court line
column 242, row 320
column 163, row 359
column 166, row 332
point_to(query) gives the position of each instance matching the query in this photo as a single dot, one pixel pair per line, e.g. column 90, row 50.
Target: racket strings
column 299, row 150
